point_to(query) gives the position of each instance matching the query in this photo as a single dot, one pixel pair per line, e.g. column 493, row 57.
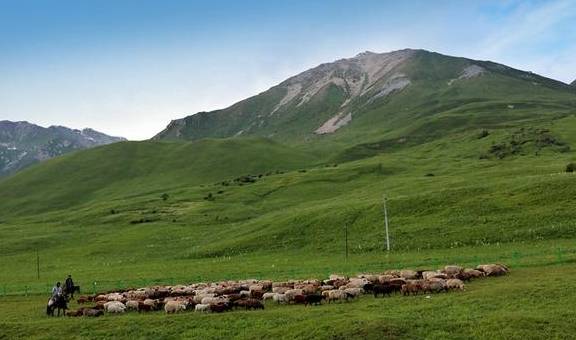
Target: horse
column 75, row 289
column 56, row 302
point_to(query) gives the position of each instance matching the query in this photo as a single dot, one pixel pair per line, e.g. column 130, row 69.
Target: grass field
column 141, row 213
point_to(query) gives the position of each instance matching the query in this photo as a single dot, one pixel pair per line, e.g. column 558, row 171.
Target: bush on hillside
column 571, row 167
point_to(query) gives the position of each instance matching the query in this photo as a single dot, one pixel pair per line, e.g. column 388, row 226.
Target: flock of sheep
column 252, row 294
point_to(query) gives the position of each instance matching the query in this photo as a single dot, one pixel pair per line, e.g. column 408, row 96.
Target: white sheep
column 280, row 298
column 198, row 298
column 336, row 295
column 268, row 296
column 114, row 307
column 202, row 308
column 354, row 292
column 214, row 300
column 132, row 305
column 174, row 306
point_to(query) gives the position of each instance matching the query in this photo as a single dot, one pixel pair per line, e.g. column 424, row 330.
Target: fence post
column 26, row 290
column 5, row 290
column 94, row 288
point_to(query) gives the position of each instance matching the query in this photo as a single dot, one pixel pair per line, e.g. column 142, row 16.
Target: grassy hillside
column 474, row 171
column 130, row 169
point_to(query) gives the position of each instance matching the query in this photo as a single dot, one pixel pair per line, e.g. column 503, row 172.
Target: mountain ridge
column 326, row 98
column 23, row 144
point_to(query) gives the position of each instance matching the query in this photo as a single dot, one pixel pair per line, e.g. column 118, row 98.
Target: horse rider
column 69, row 286
column 56, row 290
column 56, row 293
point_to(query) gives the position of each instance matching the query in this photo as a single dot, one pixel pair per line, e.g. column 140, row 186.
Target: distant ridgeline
column 23, row 144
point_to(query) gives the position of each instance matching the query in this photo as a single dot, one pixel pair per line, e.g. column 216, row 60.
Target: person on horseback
column 56, row 290
column 57, row 301
column 69, row 286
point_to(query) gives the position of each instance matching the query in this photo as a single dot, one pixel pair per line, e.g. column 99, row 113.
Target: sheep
column 214, row 300
column 493, row 269
column 411, row 287
column 114, row 307
column 268, row 296
column 202, row 308
column 337, row 295
column 142, row 307
column 115, row 297
column 473, row 273
column 291, row 293
column 132, row 305
column 280, row 298
column 326, row 287
column 426, row 275
column 198, row 298
column 249, row 304
column 434, row 286
column 91, row 312
column 82, row 300
column 454, row 284
column 152, row 303
column 174, row 307
column 357, row 283
column 313, row 299
column 245, row 293
column 220, row 307
column 384, row 289
column 354, row 292
column 74, row 313
column 101, row 297
column 336, row 277
column 256, row 287
column 385, row 278
column 452, row 270
column 280, row 290
column 408, row 274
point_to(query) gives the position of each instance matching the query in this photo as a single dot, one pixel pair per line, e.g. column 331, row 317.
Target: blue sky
column 128, row 67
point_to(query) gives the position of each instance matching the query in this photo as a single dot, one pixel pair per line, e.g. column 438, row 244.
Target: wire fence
column 515, row 259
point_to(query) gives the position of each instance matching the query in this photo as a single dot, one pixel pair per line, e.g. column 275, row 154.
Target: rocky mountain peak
column 23, row 143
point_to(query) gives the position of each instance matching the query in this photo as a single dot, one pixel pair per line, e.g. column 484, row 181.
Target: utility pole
column 37, row 265
column 386, row 224
column 346, row 239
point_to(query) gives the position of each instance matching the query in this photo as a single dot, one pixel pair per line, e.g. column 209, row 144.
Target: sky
column 128, row 67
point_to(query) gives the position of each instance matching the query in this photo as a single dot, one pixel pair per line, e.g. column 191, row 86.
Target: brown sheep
column 411, row 287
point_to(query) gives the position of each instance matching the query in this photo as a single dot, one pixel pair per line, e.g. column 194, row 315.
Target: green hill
column 472, row 157
column 129, row 169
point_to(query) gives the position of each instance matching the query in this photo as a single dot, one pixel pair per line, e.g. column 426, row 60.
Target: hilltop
column 376, row 96
column 23, row 144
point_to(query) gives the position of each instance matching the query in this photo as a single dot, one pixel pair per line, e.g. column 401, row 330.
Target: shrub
column 571, row 167
column 164, row 196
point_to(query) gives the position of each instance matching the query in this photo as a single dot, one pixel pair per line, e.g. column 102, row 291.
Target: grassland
column 491, row 188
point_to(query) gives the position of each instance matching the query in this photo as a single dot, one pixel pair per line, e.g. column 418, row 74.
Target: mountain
column 366, row 96
column 472, row 156
column 573, row 83
column 23, row 144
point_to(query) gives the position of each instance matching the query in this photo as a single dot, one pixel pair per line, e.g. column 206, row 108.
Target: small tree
column 165, row 196
column 571, row 167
